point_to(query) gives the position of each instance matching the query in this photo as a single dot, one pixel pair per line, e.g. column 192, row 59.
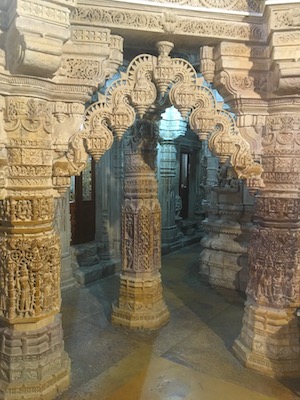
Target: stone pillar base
column 33, row 364
column 269, row 342
column 140, row 305
column 224, row 269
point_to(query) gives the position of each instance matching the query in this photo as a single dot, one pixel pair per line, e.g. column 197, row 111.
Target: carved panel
column 286, row 18
column 277, row 209
column 273, row 258
column 29, row 276
column 26, row 209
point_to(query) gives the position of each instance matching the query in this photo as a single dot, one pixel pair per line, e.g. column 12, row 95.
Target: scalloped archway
column 148, row 80
column 128, row 103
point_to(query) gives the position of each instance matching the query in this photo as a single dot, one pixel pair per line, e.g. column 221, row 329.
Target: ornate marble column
column 171, row 126
column 141, row 303
column 32, row 357
column 223, row 260
column 44, row 85
column 270, row 337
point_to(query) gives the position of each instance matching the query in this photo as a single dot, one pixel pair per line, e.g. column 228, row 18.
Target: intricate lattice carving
column 148, row 77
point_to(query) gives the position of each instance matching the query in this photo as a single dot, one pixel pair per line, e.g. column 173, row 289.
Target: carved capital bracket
column 284, row 38
column 90, row 56
column 150, row 80
column 35, row 32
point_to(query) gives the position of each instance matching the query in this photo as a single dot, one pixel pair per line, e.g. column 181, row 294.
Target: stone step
column 85, row 275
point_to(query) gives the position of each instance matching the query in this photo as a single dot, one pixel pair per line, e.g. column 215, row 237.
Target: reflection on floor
column 188, row 359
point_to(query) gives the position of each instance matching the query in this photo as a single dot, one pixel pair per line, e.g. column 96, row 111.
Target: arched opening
column 135, row 101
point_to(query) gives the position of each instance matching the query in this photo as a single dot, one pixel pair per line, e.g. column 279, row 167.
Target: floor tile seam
column 197, row 317
column 180, row 341
column 218, row 313
column 224, row 380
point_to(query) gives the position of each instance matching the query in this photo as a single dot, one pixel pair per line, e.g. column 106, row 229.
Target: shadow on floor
column 188, row 356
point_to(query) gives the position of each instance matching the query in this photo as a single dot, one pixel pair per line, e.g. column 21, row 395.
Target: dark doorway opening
column 82, row 205
column 185, row 159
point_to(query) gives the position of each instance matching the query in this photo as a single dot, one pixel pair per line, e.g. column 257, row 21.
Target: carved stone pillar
column 33, row 362
column 171, row 127
column 223, row 261
column 103, row 234
column 117, row 180
column 141, row 303
column 270, row 337
column 44, row 83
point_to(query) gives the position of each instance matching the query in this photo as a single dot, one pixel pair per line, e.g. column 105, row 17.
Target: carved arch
column 148, row 78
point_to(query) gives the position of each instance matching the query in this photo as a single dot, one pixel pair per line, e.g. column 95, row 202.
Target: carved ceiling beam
column 35, row 33
column 157, row 20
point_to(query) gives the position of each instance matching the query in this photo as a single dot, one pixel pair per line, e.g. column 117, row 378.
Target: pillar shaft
column 168, row 187
column 32, row 353
column 270, row 336
column 141, row 303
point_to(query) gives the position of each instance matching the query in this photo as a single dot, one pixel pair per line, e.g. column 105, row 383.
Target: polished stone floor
column 188, row 359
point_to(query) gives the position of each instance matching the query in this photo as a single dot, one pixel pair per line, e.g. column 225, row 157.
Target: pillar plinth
column 140, row 303
column 33, row 363
column 269, row 341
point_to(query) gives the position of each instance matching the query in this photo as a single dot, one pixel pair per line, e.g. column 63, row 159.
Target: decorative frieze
column 234, row 5
column 26, row 209
column 157, row 21
column 287, row 18
column 46, row 11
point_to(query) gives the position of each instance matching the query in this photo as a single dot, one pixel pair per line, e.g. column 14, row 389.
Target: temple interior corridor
column 190, row 358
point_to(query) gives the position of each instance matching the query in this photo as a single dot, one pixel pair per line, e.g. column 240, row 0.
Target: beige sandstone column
column 261, row 83
column 141, row 303
column 45, row 81
column 270, row 337
column 33, row 363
